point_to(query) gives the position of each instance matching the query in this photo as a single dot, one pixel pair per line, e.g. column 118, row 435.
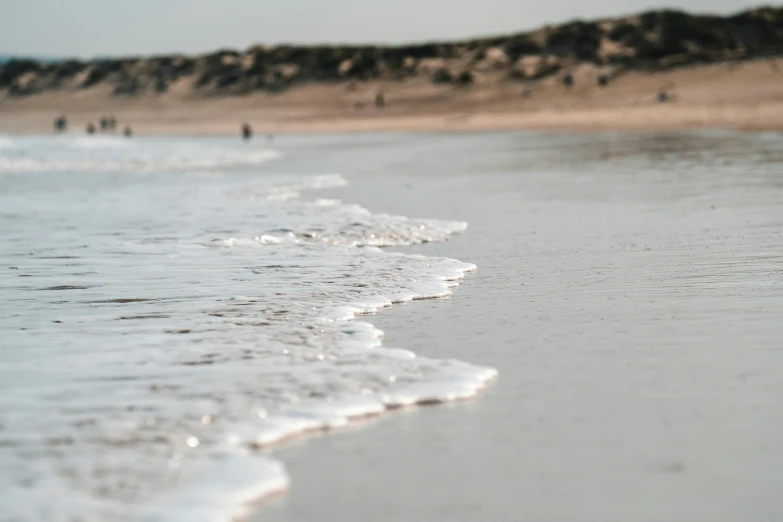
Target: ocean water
column 173, row 306
column 630, row 291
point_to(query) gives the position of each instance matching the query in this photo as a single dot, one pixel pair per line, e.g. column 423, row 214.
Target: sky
column 88, row 28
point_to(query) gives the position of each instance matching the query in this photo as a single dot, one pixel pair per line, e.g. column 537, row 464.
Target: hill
column 655, row 40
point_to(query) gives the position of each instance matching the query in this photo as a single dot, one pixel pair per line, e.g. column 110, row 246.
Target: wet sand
column 628, row 291
column 738, row 95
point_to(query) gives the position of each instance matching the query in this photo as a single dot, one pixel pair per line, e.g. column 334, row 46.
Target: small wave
column 228, row 160
column 291, row 190
column 26, row 163
column 265, row 239
column 239, row 332
column 98, row 142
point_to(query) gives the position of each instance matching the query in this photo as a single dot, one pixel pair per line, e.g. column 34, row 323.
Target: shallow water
column 172, row 305
column 630, row 291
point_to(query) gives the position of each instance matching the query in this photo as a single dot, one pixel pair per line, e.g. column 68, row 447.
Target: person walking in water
column 247, row 131
column 90, row 128
column 128, row 132
column 60, row 124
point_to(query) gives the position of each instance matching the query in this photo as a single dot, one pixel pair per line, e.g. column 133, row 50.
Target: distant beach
column 658, row 70
column 571, row 237
column 737, row 95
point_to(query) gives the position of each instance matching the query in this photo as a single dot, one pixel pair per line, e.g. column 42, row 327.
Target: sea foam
column 160, row 332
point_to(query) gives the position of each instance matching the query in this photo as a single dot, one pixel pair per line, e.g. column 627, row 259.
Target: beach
column 211, row 312
column 628, row 292
column 495, row 277
column 246, row 331
column 743, row 95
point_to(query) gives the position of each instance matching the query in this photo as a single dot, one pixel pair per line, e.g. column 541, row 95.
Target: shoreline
column 356, row 411
column 237, row 476
column 643, row 121
column 737, row 96
column 618, row 376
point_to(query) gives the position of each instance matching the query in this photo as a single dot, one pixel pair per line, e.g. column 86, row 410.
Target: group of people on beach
column 107, row 124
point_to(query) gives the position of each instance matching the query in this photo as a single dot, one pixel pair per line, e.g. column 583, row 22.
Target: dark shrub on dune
column 227, row 79
column 759, row 30
column 68, row 69
column 127, row 86
column 94, row 77
column 101, row 70
column 427, row 50
column 464, row 78
column 161, row 85
column 321, row 63
column 15, row 68
column 580, row 39
column 519, row 45
column 442, row 75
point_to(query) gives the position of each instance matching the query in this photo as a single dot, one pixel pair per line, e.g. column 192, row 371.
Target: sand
column 738, row 95
column 628, row 290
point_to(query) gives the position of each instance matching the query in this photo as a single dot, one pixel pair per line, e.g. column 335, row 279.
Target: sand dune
column 715, row 72
column 744, row 95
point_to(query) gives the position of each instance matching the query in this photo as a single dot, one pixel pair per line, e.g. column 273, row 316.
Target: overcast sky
column 119, row 27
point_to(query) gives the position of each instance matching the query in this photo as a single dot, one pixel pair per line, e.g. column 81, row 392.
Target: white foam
column 97, row 142
column 119, row 154
column 170, row 330
column 234, row 480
